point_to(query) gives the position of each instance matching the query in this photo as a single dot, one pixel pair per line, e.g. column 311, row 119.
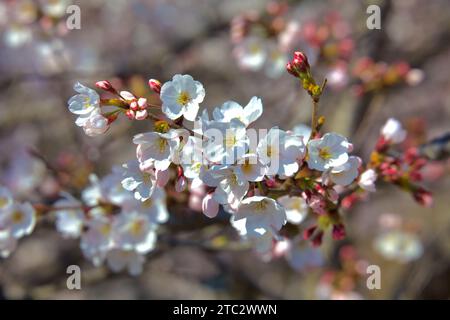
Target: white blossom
column 296, row 208
column 97, row 240
column 233, row 110
column 155, row 208
column 134, row 231
column 6, row 199
column 367, row 180
column 251, row 168
column 70, row 216
column 303, row 131
column 84, row 103
column 118, row 260
column 344, row 175
column 275, row 62
column 181, row 97
column 141, row 183
column 94, row 125
column 251, row 54
column 399, row 245
column 19, row 219
column 231, row 186
column 7, row 243
column 328, row 152
column 261, row 213
column 393, row 131
column 226, row 141
column 281, row 152
column 157, row 148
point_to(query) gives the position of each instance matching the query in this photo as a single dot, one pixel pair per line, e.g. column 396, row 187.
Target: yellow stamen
column 183, row 98
column 17, row 217
column 162, row 145
column 260, row 206
column 246, row 167
column 136, row 227
column 230, row 141
column 325, row 153
column 3, row 202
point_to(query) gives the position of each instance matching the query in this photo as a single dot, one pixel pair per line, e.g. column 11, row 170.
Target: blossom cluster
column 112, row 225
column 371, row 75
column 262, row 184
column 280, row 189
column 17, row 219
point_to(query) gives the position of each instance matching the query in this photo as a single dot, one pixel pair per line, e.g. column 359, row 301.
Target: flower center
column 86, row 103
column 183, row 98
column 233, row 180
column 105, row 229
column 17, row 217
column 137, row 227
column 260, row 206
column 230, row 141
column 246, row 167
column 3, row 202
column 325, row 153
column 269, row 151
column 255, row 48
column 162, row 145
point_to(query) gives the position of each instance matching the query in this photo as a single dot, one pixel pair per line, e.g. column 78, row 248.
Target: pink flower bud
column 162, row 177
column 130, row 114
column 104, row 85
column 210, row 207
column 301, row 61
column 134, row 105
column 181, row 184
column 141, row 115
column 423, row 197
column 155, row 85
column 142, row 103
column 291, row 69
column 338, row 232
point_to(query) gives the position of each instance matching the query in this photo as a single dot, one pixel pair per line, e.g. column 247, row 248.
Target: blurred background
column 129, row 42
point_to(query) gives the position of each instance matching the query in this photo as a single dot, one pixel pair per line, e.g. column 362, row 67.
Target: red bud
column 155, row 85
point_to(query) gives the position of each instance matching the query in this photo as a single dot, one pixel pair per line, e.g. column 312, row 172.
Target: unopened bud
column 130, row 114
column 181, row 184
column 141, row 114
column 155, row 85
column 105, row 85
column 142, row 103
column 134, row 105
column 210, row 207
column 338, row 232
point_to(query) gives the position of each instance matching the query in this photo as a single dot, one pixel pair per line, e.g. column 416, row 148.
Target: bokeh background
column 132, row 41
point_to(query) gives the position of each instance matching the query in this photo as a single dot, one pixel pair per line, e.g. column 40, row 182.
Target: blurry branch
column 376, row 41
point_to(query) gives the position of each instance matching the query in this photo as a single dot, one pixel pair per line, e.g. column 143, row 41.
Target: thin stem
column 314, row 119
